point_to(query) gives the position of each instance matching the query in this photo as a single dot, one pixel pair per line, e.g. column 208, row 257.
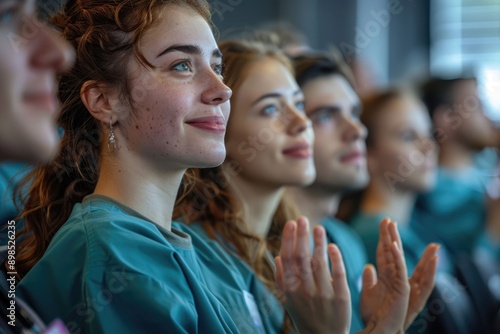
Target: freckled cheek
column 163, row 120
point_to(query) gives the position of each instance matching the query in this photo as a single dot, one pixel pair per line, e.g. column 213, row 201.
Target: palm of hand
column 386, row 300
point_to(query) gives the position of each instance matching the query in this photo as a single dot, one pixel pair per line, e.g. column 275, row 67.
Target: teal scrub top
column 354, row 256
column 366, row 225
column 455, row 210
column 412, row 237
column 486, row 244
column 111, row 270
column 10, row 174
column 235, row 284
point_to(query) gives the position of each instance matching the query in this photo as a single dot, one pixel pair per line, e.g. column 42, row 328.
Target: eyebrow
column 330, row 108
column 356, row 109
column 274, row 95
column 189, row 49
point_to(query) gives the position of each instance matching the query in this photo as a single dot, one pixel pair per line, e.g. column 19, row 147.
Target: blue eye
column 219, row 69
column 322, row 117
column 182, row 67
column 408, row 136
column 300, row 106
column 270, row 109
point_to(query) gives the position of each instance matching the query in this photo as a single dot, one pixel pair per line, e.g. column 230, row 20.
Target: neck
column 148, row 191
column 396, row 203
column 259, row 204
column 455, row 156
column 315, row 203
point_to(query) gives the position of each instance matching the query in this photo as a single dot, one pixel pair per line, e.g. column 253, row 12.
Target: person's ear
column 101, row 101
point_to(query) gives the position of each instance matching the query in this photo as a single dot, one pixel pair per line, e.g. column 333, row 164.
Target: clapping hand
column 317, row 300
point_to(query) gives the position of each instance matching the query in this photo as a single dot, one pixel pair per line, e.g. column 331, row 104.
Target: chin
column 215, row 159
column 306, row 180
column 357, row 181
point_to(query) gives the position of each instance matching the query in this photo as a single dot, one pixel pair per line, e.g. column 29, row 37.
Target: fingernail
column 318, row 232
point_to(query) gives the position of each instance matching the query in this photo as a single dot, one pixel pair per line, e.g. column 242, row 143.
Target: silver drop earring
column 111, row 138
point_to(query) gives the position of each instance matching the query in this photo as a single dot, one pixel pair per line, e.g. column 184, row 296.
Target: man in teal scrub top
column 455, row 210
column 339, row 155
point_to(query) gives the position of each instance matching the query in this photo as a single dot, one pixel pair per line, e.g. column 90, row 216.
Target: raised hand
column 422, row 282
column 385, row 297
column 316, row 302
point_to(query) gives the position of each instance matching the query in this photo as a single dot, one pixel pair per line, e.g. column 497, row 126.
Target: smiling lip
column 353, row 157
column 44, row 100
column 300, row 151
column 215, row 124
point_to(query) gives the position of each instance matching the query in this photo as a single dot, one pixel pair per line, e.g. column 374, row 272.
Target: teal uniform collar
column 174, row 236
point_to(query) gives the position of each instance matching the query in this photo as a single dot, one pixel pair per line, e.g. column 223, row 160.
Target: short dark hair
column 437, row 92
column 313, row 65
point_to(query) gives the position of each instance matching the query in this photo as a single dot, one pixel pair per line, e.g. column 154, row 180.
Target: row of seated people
column 100, row 250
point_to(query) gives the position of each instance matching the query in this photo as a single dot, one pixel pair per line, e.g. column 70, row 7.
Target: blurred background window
column 465, row 36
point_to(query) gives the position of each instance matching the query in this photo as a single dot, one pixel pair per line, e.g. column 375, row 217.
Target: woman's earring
column 111, row 138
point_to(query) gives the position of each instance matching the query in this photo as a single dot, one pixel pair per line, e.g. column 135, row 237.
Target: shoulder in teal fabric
column 111, row 270
column 486, row 243
column 354, row 256
column 249, row 302
column 10, row 174
column 455, row 210
column 367, row 227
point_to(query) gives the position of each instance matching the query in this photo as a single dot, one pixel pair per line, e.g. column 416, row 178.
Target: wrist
column 374, row 328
